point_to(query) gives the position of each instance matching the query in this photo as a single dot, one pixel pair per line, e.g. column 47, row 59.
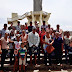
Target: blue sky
column 61, row 11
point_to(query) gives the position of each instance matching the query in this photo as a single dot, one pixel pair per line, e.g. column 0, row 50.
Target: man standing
column 4, row 29
column 44, row 25
column 33, row 39
column 18, row 26
column 30, row 27
column 59, row 30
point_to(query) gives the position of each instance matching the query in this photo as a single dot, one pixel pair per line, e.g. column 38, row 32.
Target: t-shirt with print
column 17, row 44
column 22, row 52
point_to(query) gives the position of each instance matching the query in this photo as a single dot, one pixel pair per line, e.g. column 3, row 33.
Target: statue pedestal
column 33, row 16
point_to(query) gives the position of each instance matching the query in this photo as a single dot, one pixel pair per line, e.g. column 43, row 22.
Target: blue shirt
column 58, row 43
column 22, row 52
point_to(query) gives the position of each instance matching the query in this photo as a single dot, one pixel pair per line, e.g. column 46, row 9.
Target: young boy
column 22, row 56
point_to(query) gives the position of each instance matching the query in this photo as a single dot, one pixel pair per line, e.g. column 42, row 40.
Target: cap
column 17, row 35
column 56, row 32
column 34, row 28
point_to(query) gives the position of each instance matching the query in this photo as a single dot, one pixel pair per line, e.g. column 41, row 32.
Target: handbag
column 50, row 49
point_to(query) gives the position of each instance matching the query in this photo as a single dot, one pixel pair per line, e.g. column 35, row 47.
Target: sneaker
column 58, row 64
column 37, row 65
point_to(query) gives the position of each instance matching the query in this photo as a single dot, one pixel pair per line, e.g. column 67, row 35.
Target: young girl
column 16, row 47
column 22, row 56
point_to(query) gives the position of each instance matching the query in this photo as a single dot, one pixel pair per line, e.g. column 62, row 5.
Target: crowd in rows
column 21, row 39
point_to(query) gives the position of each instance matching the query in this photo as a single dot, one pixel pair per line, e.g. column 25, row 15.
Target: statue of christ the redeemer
column 37, row 5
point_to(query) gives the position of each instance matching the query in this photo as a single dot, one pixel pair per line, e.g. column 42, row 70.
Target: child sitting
column 22, row 56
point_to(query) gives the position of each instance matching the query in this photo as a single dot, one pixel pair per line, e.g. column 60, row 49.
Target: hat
column 34, row 28
column 56, row 32
column 17, row 35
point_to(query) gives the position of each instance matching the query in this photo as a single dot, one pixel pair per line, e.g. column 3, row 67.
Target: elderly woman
column 58, row 45
column 47, row 40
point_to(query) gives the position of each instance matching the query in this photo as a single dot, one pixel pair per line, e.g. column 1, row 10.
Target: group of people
column 21, row 39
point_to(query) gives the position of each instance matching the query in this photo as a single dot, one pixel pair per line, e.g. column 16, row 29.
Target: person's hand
column 7, row 47
column 33, row 45
column 22, row 58
column 50, row 44
column 47, row 43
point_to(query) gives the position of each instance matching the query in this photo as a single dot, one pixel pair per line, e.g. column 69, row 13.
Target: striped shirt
column 22, row 52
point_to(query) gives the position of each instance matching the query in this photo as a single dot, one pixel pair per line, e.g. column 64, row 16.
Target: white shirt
column 17, row 44
column 33, row 39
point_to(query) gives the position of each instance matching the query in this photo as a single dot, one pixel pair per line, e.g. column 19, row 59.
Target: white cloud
column 61, row 11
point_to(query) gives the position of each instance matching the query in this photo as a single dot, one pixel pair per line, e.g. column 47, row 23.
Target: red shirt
column 41, row 36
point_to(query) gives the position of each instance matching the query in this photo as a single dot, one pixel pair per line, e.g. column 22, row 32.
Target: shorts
column 33, row 50
column 22, row 61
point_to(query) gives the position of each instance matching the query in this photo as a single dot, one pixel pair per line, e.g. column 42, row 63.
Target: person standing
column 47, row 41
column 58, row 45
column 24, row 37
column 18, row 26
column 59, row 30
column 33, row 39
column 4, row 47
column 66, row 44
column 4, row 29
column 70, row 51
column 44, row 25
column 17, row 44
column 30, row 27
column 43, row 32
column 22, row 56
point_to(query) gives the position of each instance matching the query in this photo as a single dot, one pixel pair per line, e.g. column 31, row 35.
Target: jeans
column 3, row 56
column 58, row 56
column 70, row 59
column 11, row 54
column 45, row 58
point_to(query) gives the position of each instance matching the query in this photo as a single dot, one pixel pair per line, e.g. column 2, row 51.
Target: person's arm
column 25, row 55
column 14, row 46
column 37, row 41
column 30, row 44
column 43, row 41
column 51, row 42
column 62, row 46
column 10, row 40
column 0, row 47
column 60, row 31
column 20, row 56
